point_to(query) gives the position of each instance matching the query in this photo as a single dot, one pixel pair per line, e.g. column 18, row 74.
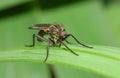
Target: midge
column 57, row 36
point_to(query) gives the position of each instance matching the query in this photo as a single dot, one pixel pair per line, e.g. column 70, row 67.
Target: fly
column 57, row 35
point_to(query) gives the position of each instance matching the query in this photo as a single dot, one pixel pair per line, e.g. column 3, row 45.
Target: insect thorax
column 54, row 33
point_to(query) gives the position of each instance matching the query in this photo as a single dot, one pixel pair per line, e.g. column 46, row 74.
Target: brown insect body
column 57, row 35
column 55, row 31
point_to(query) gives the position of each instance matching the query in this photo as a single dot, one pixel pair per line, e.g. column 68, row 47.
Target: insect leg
column 60, row 45
column 68, row 48
column 48, row 45
column 78, row 41
column 33, row 42
column 47, row 51
column 41, row 38
column 67, row 42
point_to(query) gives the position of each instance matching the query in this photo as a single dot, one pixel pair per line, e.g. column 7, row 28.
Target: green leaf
column 101, row 59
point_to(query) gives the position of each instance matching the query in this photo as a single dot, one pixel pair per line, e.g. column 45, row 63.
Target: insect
column 57, row 35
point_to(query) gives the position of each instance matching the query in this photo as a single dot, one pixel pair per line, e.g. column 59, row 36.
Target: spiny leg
column 69, row 48
column 78, row 41
column 33, row 42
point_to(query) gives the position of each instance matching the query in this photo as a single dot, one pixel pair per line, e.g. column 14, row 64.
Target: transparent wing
column 40, row 26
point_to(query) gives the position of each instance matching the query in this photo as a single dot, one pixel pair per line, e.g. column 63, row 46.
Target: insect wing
column 40, row 26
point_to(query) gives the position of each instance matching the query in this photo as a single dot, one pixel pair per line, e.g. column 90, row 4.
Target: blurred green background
column 94, row 22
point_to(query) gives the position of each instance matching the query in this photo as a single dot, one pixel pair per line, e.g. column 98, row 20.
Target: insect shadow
column 57, row 35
